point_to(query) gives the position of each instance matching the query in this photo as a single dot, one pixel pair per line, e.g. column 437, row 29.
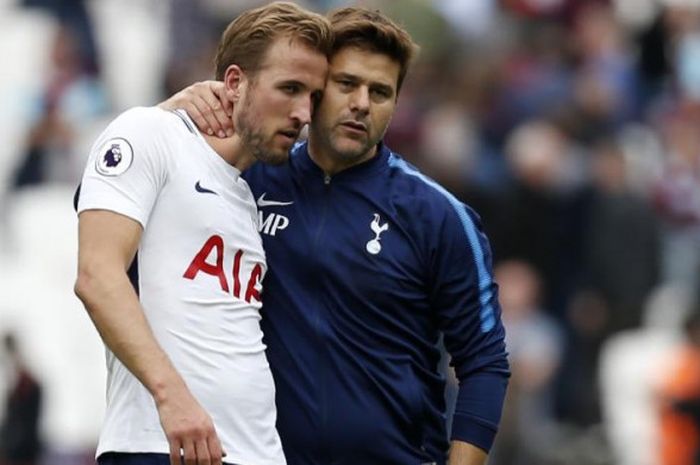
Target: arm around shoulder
column 209, row 105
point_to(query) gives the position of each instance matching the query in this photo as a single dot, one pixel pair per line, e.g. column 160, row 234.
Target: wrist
column 166, row 386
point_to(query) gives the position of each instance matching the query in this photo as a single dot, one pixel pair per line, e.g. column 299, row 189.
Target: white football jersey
column 200, row 266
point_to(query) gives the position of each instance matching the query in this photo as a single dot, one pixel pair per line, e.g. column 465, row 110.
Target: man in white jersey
column 188, row 379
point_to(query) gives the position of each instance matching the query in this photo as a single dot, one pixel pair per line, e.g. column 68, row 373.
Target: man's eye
column 290, row 89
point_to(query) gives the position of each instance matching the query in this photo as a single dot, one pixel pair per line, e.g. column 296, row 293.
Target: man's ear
column 234, row 79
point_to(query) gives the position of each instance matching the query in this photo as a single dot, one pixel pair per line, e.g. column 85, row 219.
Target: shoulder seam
column 184, row 120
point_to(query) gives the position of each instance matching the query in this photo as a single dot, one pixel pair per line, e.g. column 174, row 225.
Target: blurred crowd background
column 571, row 126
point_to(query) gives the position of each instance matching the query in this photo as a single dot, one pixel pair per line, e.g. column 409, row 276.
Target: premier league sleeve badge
column 114, row 157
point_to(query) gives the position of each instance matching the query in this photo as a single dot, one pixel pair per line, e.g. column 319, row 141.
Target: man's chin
column 274, row 157
column 350, row 148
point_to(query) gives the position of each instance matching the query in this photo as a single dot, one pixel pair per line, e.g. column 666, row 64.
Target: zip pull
column 326, row 179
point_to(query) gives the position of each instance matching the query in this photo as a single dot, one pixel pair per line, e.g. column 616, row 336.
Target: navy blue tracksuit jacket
column 366, row 270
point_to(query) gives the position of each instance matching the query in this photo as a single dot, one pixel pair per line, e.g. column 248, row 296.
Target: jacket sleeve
column 465, row 298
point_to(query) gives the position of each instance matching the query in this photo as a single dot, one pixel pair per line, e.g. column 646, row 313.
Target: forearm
column 107, row 245
column 114, row 308
column 463, row 453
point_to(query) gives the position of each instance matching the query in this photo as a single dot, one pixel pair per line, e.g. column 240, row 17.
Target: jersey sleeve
column 465, row 297
column 127, row 166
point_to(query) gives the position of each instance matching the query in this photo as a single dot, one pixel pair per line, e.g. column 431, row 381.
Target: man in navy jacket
column 370, row 262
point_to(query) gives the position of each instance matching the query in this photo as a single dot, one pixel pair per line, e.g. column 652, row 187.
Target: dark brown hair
column 247, row 38
column 371, row 30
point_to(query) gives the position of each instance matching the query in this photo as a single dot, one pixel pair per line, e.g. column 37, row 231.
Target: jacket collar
column 375, row 165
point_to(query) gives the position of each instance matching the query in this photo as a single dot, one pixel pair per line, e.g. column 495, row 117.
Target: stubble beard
column 347, row 155
column 254, row 140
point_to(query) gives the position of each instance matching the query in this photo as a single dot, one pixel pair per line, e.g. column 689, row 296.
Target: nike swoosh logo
column 269, row 203
column 198, row 187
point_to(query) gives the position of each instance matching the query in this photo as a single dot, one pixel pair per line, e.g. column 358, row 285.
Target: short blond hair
column 248, row 37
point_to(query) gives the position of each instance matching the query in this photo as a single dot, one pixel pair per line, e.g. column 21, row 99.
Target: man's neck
column 331, row 163
column 231, row 150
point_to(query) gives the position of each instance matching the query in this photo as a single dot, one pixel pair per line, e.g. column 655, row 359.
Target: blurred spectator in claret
column 677, row 196
column 19, row 431
column 560, row 10
column 677, row 192
column 534, row 343
column 605, row 87
column 71, row 98
column 533, row 80
column 621, row 240
column 680, row 401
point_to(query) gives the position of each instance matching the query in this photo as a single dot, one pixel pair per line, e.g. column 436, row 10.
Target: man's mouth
column 290, row 134
column 354, row 126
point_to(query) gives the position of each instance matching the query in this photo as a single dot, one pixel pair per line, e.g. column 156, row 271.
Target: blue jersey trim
column 488, row 320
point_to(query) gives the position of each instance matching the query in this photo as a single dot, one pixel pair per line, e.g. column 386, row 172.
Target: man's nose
column 302, row 111
column 360, row 100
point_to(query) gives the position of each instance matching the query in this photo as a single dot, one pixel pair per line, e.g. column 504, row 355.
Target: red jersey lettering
column 199, row 263
column 251, row 291
column 237, row 274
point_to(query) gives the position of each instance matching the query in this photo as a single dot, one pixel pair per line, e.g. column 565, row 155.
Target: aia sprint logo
column 246, row 284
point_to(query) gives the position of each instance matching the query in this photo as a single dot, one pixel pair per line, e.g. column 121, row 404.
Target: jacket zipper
column 325, row 451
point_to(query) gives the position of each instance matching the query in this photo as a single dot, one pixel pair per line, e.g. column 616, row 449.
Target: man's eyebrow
column 355, row 78
column 301, row 85
column 345, row 75
column 292, row 82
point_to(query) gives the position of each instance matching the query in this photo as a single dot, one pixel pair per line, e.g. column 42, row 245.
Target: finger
column 224, row 94
column 219, row 90
column 215, row 450
column 202, row 450
column 175, row 453
column 196, row 115
column 227, row 98
column 219, row 113
column 208, row 113
column 189, row 452
column 204, row 98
